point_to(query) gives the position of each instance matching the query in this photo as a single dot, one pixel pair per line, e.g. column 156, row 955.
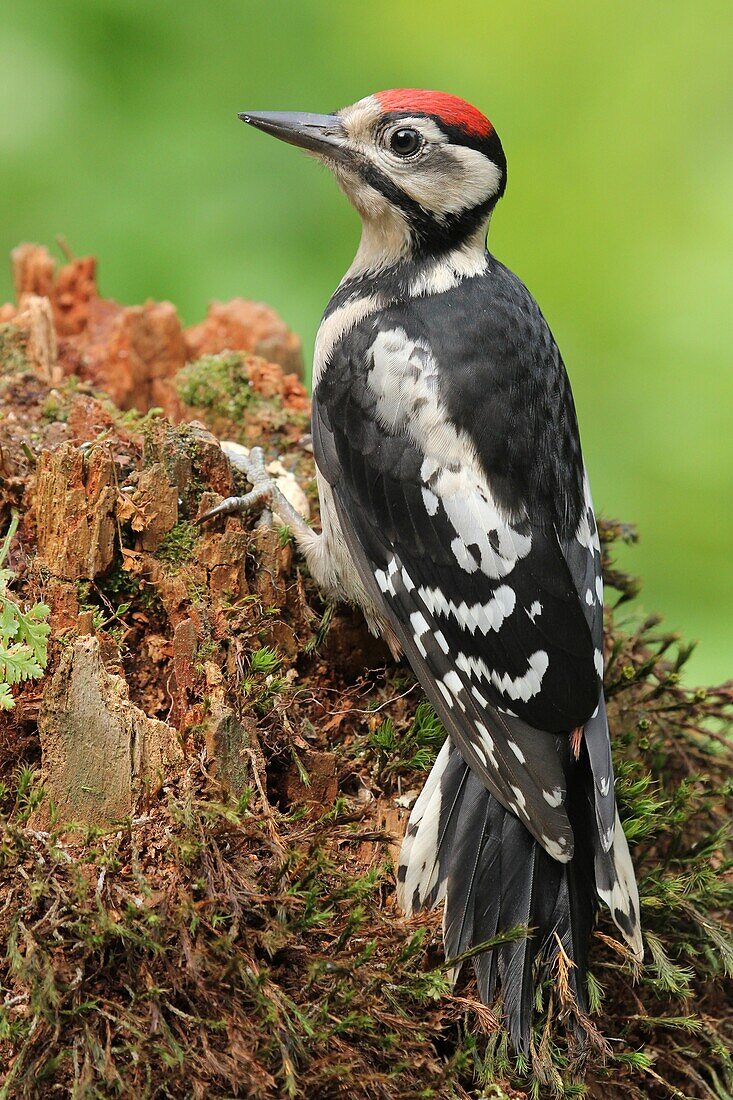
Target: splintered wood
column 75, row 509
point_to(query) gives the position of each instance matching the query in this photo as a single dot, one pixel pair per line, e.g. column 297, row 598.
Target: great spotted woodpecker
column 456, row 512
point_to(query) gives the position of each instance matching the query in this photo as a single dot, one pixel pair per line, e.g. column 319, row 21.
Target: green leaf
column 18, row 663
column 34, row 631
column 8, row 620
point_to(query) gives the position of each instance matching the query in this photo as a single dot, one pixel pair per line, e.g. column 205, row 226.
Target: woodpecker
column 456, row 512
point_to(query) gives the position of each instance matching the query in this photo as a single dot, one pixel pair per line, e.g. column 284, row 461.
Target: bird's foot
column 261, row 495
column 265, row 495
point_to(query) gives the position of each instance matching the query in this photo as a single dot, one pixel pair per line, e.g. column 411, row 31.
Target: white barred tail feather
column 616, row 886
column 463, row 847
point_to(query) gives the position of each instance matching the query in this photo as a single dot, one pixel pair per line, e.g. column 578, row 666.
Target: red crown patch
column 448, row 108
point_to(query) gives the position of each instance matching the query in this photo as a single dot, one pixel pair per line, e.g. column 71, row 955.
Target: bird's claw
column 262, row 493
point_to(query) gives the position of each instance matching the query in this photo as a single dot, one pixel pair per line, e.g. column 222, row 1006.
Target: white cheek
column 467, row 180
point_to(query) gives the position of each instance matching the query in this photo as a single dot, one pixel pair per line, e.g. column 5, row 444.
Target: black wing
column 477, row 589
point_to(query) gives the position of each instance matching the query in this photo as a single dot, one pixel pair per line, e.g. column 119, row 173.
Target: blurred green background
column 118, row 129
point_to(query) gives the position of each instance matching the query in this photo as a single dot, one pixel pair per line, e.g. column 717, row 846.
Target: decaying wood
column 75, row 511
column 42, row 346
column 232, row 745
column 33, row 271
column 134, row 353
column 100, row 753
column 313, row 785
column 113, row 511
column 246, row 326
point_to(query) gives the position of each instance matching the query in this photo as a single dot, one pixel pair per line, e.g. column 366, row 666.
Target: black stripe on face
column 431, row 233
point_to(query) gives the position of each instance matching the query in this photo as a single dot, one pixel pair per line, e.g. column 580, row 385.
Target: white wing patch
column 405, row 382
column 487, row 743
column 430, row 501
column 554, row 797
column 484, row 538
column 586, row 537
column 385, row 577
column 472, row 617
column 517, row 751
column 419, row 626
column 598, row 662
column 517, row 687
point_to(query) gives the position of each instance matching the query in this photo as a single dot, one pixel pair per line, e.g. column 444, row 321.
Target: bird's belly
column 333, row 568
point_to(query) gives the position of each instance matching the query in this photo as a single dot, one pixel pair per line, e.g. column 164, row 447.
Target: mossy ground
column 216, row 947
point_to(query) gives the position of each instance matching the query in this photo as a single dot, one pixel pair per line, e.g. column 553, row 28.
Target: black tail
column 462, row 845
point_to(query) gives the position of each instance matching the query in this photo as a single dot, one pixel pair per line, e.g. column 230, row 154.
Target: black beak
column 322, row 134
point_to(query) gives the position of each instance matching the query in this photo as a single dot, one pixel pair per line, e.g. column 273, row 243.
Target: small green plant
column 23, row 634
column 265, row 660
column 315, row 642
column 411, row 749
column 262, row 685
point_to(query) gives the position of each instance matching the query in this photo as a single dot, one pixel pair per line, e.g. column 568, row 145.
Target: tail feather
column 488, row 905
column 464, row 846
column 598, row 745
column 420, row 875
column 616, row 885
column 519, row 887
column 465, row 857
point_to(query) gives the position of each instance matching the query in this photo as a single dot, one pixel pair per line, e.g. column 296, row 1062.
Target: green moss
column 265, row 660
column 216, row 382
column 53, row 410
column 177, row 546
column 408, row 749
column 13, row 350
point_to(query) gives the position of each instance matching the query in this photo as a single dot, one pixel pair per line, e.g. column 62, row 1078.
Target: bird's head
column 423, row 169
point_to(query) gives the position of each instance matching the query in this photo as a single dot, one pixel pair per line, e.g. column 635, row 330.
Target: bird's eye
column 405, row 142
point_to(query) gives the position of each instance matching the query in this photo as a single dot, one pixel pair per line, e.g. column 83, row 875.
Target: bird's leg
column 264, row 495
